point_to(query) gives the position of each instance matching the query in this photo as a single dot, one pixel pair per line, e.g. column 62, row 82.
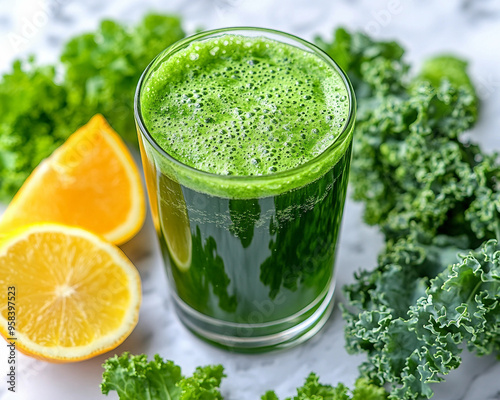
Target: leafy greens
column 134, row 378
column 42, row 105
column 314, row 390
column 436, row 198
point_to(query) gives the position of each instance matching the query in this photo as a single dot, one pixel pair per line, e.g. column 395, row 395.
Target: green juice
column 246, row 160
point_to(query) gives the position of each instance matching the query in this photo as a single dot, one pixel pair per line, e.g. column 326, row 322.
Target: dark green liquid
column 259, row 260
column 261, row 252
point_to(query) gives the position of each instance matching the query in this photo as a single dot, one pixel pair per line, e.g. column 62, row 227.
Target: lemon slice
column 73, row 295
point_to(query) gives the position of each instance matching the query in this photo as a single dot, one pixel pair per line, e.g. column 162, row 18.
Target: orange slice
column 70, row 294
column 91, row 181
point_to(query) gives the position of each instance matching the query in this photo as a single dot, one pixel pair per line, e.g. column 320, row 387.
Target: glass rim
column 271, row 177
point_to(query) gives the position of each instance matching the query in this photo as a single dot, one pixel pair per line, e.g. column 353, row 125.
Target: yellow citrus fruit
column 174, row 223
column 70, row 294
column 91, row 181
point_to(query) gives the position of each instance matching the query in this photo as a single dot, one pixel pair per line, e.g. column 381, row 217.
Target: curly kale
column 374, row 68
column 134, row 378
column 413, row 168
column 411, row 351
column 314, row 390
column 435, row 196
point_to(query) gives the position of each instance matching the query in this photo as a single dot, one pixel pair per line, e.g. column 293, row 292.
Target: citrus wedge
column 91, row 181
column 174, row 223
column 72, row 295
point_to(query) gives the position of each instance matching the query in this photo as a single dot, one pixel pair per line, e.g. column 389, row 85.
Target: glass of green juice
column 246, row 137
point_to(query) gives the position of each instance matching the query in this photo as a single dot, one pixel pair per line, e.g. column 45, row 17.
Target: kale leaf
column 460, row 305
column 134, row 378
column 314, row 390
column 435, row 196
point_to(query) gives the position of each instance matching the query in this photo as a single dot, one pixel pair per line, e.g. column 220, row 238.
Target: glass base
column 253, row 338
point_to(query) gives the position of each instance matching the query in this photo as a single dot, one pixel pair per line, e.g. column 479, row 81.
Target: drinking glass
column 249, row 259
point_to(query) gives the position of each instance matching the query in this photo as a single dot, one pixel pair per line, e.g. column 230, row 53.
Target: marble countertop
column 470, row 28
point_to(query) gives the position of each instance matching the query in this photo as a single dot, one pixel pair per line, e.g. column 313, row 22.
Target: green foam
column 244, row 106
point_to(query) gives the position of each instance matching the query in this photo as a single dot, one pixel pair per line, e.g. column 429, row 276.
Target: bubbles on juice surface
column 245, row 106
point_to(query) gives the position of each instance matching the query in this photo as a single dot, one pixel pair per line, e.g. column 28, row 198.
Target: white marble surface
column 468, row 27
